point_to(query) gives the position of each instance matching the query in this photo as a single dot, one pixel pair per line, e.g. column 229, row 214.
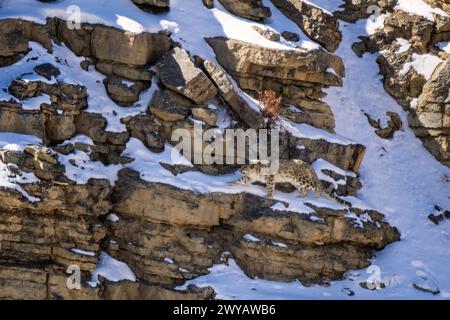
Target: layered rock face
column 430, row 120
column 194, row 230
column 404, row 42
column 298, row 76
column 55, row 219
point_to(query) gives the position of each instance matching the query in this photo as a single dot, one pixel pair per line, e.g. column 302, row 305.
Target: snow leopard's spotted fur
column 296, row 172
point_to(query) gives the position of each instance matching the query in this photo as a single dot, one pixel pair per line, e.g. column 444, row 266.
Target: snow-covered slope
column 400, row 178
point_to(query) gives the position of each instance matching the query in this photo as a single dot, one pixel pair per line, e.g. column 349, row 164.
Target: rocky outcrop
column 297, row 75
column 410, row 86
column 15, row 35
column 249, row 9
column 169, row 106
column 192, row 230
column 166, row 234
column 123, row 93
column 317, row 24
column 430, row 119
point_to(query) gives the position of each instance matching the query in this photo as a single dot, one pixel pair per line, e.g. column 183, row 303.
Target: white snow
column 279, row 244
column 111, row 269
column 425, row 64
column 404, row 45
column 445, row 46
column 303, row 130
column 321, row 164
column 400, row 178
column 168, row 260
column 112, row 217
column 80, row 168
column 83, row 252
column 251, row 238
column 419, row 8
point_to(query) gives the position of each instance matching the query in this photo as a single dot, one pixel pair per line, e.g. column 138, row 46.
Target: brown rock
column 169, row 106
column 249, row 9
column 317, row 24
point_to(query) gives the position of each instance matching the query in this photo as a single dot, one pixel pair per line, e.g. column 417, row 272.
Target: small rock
column 268, row 34
column 348, row 292
column 47, row 70
column 85, row 64
column 426, row 286
column 291, row 36
column 208, row 3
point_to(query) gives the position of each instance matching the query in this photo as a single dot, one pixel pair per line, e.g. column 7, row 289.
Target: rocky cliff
column 87, row 116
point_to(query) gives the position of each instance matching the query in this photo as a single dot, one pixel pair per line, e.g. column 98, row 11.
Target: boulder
column 354, row 10
column 229, row 93
column 249, row 9
column 15, row 35
column 209, row 116
column 317, row 24
column 169, row 106
column 300, row 65
column 178, row 73
column 111, row 44
column 208, row 3
column 132, row 73
column 290, row 36
column 13, row 39
column 145, row 128
column 135, row 49
column 123, row 92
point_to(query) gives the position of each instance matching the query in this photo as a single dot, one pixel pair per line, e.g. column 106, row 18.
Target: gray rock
column 178, row 73
column 317, row 24
column 121, row 92
column 47, row 70
column 291, row 36
column 249, row 9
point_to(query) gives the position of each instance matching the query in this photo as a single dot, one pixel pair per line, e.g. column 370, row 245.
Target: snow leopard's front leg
column 270, row 187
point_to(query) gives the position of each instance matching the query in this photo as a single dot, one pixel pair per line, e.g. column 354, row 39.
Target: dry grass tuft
column 271, row 104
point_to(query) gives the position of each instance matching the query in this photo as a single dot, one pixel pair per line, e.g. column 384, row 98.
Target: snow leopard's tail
column 329, row 192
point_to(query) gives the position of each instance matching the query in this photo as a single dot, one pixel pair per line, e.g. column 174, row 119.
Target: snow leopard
column 298, row 173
